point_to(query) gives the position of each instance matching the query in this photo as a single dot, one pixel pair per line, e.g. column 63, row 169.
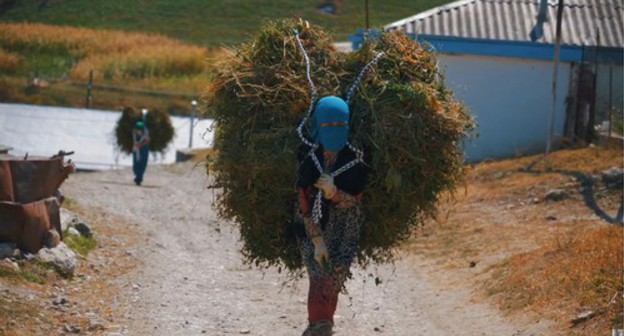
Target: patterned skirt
column 341, row 234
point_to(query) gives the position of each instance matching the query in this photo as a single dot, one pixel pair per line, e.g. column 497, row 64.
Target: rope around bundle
column 317, row 213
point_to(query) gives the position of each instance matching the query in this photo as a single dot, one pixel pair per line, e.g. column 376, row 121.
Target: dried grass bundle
column 401, row 112
column 158, row 123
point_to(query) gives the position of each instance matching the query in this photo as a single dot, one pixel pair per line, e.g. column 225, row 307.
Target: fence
column 42, row 90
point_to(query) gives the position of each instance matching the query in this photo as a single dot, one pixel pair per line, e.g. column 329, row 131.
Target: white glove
column 321, row 255
column 326, row 184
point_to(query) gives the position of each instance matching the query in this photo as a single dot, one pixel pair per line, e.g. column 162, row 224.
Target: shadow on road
column 588, row 191
column 131, row 184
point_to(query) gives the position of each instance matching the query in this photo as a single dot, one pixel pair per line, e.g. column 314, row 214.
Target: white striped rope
column 359, row 153
column 317, row 213
column 313, row 94
column 361, row 75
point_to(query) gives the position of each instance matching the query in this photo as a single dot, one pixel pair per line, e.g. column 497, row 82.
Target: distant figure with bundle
column 140, row 151
column 329, row 241
column 138, row 133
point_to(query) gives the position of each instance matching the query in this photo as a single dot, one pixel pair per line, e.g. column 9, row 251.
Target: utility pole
column 193, row 107
column 89, row 87
column 551, row 126
column 367, row 22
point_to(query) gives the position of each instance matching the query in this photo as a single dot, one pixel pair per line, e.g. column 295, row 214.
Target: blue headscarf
column 330, row 123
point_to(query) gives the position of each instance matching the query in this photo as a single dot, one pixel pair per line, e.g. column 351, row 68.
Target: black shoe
column 321, row 328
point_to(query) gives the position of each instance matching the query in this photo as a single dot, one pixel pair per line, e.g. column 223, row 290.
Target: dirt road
column 192, row 280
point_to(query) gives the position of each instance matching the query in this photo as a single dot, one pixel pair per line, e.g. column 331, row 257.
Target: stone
column 51, row 238
column 61, row 256
column 66, row 218
column 83, row 228
column 584, row 316
column 95, row 322
column 9, row 265
column 613, row 178
column 72, row 231
column 556, row 195
column 59, row 301
column 72, row 329
column 70, row 219
column 9, row 250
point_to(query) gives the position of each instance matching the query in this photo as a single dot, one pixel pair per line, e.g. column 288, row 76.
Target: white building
column 506, row 79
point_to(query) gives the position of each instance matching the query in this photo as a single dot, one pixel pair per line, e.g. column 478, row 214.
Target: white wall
column 511, row 100
column 43, row 131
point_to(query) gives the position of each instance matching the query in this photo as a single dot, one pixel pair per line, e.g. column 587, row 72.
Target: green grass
column 5, row 273
column 617, row 122
column 209, row 23
column 32, row 277
column 31, row 271
column 51, row 65
column 37, row 271
column 80, row 244
column 71, row 204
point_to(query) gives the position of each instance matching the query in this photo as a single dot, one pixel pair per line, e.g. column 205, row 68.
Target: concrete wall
column 511, row 100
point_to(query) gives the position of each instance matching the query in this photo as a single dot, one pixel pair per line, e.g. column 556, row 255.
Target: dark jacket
column 352, row 181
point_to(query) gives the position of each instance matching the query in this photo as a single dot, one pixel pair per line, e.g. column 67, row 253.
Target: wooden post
column 89, row 87
column 367, row 22
column 589, row 130
column 610, row 99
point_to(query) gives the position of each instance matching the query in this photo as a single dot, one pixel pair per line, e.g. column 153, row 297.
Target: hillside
column 153, row 55
column 207, row 23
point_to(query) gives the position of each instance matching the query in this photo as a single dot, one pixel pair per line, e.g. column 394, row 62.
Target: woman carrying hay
column 140, row 151
column 330, row 242
column 139, row 133
column 406, row 120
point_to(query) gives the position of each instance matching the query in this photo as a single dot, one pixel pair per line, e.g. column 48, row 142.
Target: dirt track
column 193, row 281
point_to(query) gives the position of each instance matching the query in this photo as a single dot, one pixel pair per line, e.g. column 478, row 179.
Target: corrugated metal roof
column 512, row 20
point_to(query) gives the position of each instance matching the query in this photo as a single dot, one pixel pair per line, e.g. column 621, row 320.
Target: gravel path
column 193, row 280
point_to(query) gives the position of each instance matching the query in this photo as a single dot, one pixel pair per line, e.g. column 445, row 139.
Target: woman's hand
column 326, row 184
column 321, row 255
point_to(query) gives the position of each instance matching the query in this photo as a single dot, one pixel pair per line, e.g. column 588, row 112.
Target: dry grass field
column 553, row 259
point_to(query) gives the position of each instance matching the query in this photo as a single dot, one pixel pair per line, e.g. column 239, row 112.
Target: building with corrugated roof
column 506, row 79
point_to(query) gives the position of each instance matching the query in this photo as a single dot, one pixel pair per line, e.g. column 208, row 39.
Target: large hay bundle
column 401, row 112
column 158, row 123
